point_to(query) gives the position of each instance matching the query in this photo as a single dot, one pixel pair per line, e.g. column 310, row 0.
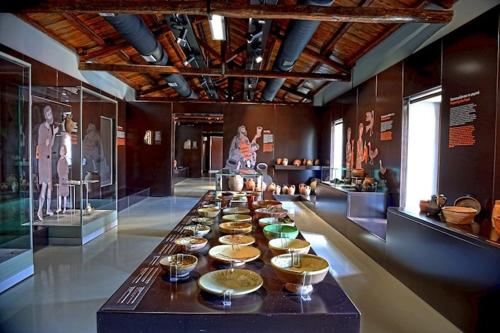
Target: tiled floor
column 71, row 283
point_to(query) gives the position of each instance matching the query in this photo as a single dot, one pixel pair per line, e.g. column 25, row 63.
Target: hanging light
column 217, row 27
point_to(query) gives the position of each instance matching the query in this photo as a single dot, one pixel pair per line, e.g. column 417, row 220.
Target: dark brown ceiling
column 333, row 44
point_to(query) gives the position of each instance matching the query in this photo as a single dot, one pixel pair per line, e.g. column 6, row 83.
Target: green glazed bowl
column 272, row 231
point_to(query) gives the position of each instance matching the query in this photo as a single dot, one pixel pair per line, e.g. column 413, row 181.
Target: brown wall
column 462, row 62
column 149, row 165
column 191, row 158
column 295, row 135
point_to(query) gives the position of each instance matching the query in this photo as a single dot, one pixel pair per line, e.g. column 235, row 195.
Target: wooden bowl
column 458, row 215
column 280, row 246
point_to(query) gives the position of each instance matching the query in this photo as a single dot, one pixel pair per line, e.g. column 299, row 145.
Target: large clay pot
column 250, row 184
column 279, row 161
column 291, row 190
column 285, row 161
column 302, row 188
column 271, row 187
column 297, row 162
column 235, row 183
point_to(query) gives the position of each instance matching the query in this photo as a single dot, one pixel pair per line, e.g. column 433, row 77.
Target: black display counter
column 153, row 304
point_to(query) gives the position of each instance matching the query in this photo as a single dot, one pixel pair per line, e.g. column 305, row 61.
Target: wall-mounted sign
column 148, row 137
column 268, row 142
column 463, row 114
column 386, row 125
column 120, row 136
column 157, row 137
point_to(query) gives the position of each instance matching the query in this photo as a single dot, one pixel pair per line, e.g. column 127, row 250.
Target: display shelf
column 297, row 168
column 157, row 303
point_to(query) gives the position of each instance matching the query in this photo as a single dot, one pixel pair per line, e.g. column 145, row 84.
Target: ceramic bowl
column 280, row 231
column 235, row 227
column 273, row 220
column 267, row 204
column 184, row 263
column 198, row 230
column 209, row 212
column 236, row 210
column 270, row 212
column 237, row 255
column 203, row 220
column 192, row 243
column 237, row 218
column 285, row 245
column 458, row 215
column 240, row 281
column 302, row 273
column 237, row 240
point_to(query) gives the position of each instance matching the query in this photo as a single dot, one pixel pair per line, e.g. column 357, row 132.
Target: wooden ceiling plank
column 157, row 69
column 236, row 10
column 84, row 28
column 214, row 101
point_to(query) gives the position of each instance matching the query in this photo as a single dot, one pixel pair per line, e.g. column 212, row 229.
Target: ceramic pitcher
column 307, row 190
column 291, row 190
column 235, row 183
column 302, row 188
column 277, row 190
column 250, row 184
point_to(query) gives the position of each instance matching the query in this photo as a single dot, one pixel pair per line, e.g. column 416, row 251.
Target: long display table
column 149, row 302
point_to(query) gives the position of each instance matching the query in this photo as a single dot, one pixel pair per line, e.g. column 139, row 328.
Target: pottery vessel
column 271, row 187
column 309, row 163
column 270, row 212
column 235, row 183
column 495, row 216
column 277, row 190
column 297, row 162
column 424, row 205
column 182, row 263
column 302, row 188
column 69, row 124
column 307, row 190
column 279, row 161
column 358, row 173
column 316, row 162
column 267, row 204
column 250, row 184
column 285, row 161
column 458, row 215
column 284, row 189
column 291, row 190
column 314, row 184
column 280, row 246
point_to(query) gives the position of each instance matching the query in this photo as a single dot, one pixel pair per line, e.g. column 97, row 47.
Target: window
column 421, row 149
column 337, row 148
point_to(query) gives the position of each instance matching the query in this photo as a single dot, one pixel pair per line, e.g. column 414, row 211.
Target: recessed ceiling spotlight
column 217, row 27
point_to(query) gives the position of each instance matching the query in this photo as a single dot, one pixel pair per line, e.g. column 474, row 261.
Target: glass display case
column 16, row 249
column 74, row 163
column 239, row 180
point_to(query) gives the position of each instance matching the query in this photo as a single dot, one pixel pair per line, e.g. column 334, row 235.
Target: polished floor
column 71, row 283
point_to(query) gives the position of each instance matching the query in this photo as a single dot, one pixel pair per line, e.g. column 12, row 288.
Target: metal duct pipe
column 298, row 35
column 135, row 31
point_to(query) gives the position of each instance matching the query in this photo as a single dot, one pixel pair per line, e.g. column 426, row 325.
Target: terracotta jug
column 316, row 161
column 291, row 190
column 285, row 161
column 302, row 188
column 307, row 190
column 69, row 124
column 235, row 183
column 250, row 184
column 277, row 190
column 271, row 187
column 309, row 162
column 279, row 161
column 297, row 162
column 284, row 189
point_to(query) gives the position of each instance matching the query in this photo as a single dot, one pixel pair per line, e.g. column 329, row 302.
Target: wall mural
column 242, row 151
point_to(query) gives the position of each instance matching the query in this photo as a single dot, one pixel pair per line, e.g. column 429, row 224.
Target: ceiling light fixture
column 217, row 27
column 258, row 59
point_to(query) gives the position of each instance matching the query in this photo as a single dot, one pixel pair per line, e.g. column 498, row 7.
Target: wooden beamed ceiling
column 348, row 30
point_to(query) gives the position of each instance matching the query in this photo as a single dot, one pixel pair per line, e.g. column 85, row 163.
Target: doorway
column 420, row 148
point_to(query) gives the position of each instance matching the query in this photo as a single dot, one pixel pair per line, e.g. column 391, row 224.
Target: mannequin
column 63, row 174
column 46, row 135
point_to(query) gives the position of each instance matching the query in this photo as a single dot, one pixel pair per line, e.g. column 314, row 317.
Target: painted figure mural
column 242, row 151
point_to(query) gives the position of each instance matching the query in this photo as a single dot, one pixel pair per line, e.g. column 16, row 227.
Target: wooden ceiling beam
column 157, row 69
column 289, row 90
column 214, row 101
column 84, row 28
column 234, row 10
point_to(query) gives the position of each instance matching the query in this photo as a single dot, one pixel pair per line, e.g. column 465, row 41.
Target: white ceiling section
column 22, row 37
column 403, row 42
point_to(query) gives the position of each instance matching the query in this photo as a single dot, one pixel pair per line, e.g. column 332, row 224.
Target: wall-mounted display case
column 74, row 163
column 16, row 246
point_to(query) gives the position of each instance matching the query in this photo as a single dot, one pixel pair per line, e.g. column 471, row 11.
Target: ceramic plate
column 236, row 210
column 237, row 196
column 237, row 240
column 192, row 243
column 235, row 227
column 198, row 229
column 241, row 281
column 233, row 253
column 237, row 218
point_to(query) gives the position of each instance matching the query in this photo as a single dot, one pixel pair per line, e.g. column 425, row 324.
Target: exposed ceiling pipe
column 298, row 35
column 135, row 31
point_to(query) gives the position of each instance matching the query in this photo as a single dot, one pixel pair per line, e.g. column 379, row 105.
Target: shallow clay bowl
column 185, row 263
column 272, row 220
column 236, row 210
column 314, row 267
column 280, row 231
column 270, row 212
column 235, row 227
column 199, row 230
column 458, row 215
column 280, row 246
column 191, row 243
column 267, row 204
column 237, row 218
column 209, row 212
